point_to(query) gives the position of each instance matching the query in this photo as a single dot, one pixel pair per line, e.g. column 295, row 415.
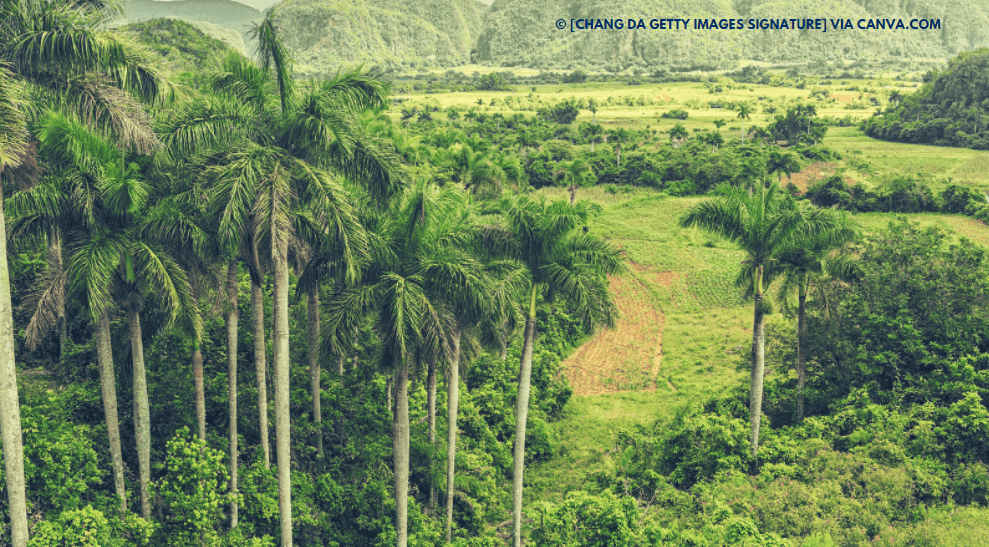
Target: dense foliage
column 949, row 110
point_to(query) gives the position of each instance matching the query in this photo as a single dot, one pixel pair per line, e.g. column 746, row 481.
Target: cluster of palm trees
column 157, row 199
column 798, row 244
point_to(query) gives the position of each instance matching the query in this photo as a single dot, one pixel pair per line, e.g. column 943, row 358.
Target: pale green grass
column 706, row 322
column 689, row 275
column 964, row 166
column 957, row 225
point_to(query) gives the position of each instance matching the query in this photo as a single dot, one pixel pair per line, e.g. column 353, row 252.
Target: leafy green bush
column 193, row 489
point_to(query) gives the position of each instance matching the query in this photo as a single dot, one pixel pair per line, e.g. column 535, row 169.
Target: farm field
column 864, row 160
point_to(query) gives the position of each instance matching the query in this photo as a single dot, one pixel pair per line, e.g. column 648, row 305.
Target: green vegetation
column 694, row 329
column 182, row 46
column 947, row 111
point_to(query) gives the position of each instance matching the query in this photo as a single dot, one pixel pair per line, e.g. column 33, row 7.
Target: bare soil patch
column 808, row 176
column 626, row 357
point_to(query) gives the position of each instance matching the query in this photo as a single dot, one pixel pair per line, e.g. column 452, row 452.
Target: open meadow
column 640, row 107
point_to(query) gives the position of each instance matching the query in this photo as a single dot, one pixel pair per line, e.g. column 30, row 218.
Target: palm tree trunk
column 260, row 367
column 142, row 412
column 400, row 444
column 592, row 146
column 55, row 268
column 618, row 156
column 388, row 390
column 312, row 337
column 197, row 380
column 758, row 369
column 282, row 364
column 521, row 415
column 801, row 347
column 108, row 387
column 233, row 318
column 340, row 361
column 431, row 418
column 452, row 407
column 10, row 406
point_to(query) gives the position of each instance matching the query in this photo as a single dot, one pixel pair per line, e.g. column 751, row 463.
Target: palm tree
column 744, row 113
column 473, row 169
column 718, row 124
column 619, row 136
column 762, row 221
column 715, row 139
column 13, row 146
column 592, row 132
column 592, row 105
column 782, row 162
column 575, row 174
column 120, row 252
column 561, row 261
column 93, row 73
column 423, row 265
column 763, row 135
column 809, row 259
column 678, row 134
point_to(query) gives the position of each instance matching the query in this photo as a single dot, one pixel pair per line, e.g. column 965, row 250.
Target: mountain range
column 324, row 34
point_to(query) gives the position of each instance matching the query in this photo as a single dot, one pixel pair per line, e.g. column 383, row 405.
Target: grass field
column 864, row 159
column 683, row 336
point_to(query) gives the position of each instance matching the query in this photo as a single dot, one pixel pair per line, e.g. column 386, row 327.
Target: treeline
column 947, row 111
column 899, row 194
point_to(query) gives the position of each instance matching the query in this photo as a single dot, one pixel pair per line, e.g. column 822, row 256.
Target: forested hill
column 522, row 32
column 184, row 46
column 325, row 33
column 225, row 13
column 951, row 109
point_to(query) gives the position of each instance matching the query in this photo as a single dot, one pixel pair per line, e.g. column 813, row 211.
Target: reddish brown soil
column 814, row 172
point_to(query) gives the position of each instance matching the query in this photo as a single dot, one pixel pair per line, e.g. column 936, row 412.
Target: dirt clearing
column 627, row 357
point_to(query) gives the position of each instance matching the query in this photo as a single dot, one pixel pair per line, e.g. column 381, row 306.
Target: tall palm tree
column 808, row 260
column 422, row 265
column 762, row 221
column 13, row 146
column 120, row 251
column 71, row 61
column 678, row 134
column 619, row 136
column 592, row 132
column 575, row 174
column 561, row 261
column 744, row 113
column 92, row 72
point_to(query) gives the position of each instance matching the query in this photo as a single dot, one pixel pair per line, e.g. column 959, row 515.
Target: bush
column 195, row 477
column 675, row 114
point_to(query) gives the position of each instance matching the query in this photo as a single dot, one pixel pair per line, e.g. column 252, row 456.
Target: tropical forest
column 459, row 294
